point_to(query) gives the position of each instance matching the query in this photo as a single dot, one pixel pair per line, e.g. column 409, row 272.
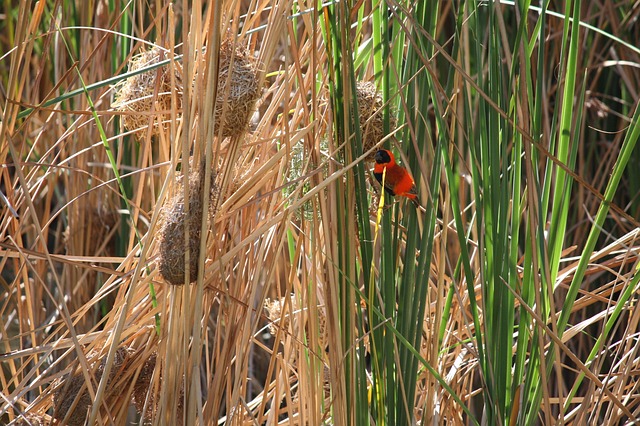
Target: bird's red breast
column 398, row 180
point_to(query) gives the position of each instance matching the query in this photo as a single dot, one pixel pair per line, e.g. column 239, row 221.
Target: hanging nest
column 143, row 382
column 72, row 387
column 32, row 419
column 171, row 260
column 136, row 95
column 142, row 388
column 238, row 92
column 95, row 223
column 374, row 204
column 371, row 113
column 326, row 393
column 274, row 312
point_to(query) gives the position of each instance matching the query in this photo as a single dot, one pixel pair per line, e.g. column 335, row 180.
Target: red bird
column 397, row 181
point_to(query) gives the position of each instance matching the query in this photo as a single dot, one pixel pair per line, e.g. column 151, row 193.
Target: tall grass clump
column 191, row 233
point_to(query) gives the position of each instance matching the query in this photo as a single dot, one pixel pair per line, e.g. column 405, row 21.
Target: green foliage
column 513, row 212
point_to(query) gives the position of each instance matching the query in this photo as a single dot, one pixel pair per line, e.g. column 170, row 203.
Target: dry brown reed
column 69, row 297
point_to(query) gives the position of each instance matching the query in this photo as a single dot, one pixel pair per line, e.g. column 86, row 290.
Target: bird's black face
column 382, row 157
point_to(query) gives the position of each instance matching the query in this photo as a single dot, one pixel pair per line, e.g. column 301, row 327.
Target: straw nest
column 274, row 312
column 94, row 223
column 375, row 202
column 238, row 89
column 304, row 161
column 142, row 389
column 32, row 419
column 171, row 260
column 326, row 393
column 136, row 95
column 72, row 387
column 143, row 382
column 370, row 104
column 290, row 323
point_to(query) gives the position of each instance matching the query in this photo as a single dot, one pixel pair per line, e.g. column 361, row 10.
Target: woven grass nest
column 135, row 95
column 142, row 390
column 143, row 383
column 73, row 386
column 370, row 104
column 274, row 310
column 171, row 259
column 238, row 89
column 32, row 419
column 95, row 222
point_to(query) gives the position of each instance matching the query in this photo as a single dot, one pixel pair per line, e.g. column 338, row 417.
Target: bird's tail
column 416, row 202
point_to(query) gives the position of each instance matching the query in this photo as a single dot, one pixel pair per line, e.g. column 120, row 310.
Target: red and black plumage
column 398, row 180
